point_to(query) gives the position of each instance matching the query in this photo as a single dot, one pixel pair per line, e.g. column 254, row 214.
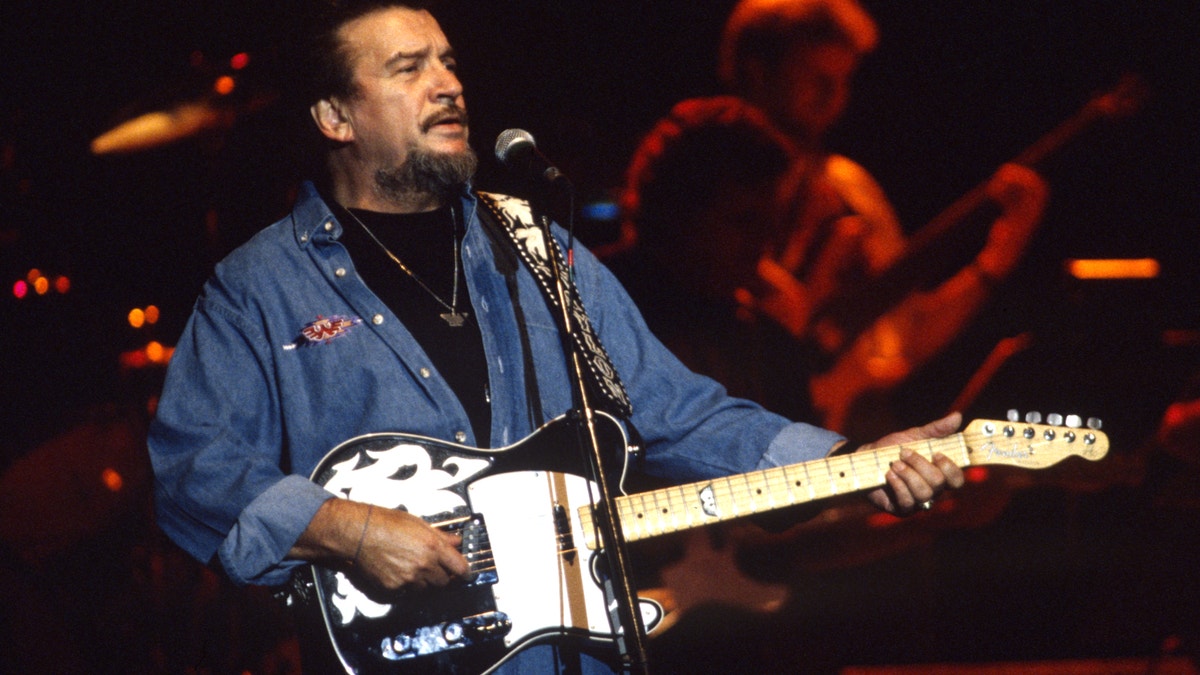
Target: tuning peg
column 1033, row 417
column 1074, row 421
column 1054, row 419
column 1013, row 415
column 1094, row 423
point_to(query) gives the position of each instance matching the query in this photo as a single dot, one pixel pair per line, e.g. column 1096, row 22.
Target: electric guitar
column 525, row 517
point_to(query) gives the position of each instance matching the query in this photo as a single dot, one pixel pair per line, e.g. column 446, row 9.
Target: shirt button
column 328, row 226
column 460, row 436
column 377, row 319
column 304, row 238
column 425, row 373
column 341, row 271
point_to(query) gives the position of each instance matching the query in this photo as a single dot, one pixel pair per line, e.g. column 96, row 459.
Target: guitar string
column 767, row 489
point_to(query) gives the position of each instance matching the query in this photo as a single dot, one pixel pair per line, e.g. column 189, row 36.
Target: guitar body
column 517, row 510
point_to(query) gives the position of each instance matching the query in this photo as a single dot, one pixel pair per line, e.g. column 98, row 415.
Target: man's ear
column 331, row 119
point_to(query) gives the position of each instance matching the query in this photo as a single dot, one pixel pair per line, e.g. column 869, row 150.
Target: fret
column 662, row 511
column 671, row 509
column 727, row 504
column 639, row 516
column 691, row 502
column 808, row 482
column 652, row 514
column 760, row 492
column 966, row 452
column 854, row 472
column 788, row 483
column 774, row 498
column 747, row 494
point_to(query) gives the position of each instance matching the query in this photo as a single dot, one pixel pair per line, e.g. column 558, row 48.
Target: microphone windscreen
column 510, row 139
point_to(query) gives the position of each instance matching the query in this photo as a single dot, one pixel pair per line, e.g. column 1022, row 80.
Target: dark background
column 953, row 90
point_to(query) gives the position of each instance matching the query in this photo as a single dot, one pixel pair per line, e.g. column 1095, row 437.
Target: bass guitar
column 526, row 521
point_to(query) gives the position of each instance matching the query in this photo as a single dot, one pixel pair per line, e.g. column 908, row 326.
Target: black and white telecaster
column 525, row 517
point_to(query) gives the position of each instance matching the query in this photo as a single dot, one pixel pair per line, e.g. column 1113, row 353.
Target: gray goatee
column 427, row 173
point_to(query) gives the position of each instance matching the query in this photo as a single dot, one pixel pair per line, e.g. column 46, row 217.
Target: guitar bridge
column 476, row 548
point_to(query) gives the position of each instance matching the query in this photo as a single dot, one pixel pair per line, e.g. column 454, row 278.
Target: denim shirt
column 288, row 354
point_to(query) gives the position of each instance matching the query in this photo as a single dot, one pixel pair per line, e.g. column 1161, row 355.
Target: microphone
column 516, row 149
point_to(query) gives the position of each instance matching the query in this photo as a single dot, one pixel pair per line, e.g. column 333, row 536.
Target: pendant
column 454, row 319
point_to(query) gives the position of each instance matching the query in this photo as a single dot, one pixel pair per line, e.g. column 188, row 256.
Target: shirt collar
column 313, row 220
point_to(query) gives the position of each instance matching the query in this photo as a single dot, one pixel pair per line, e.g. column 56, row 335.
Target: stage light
column 602, row 210
column 239, row 61
column 1136, row 268
column 156, row 352
column 112, row 479
column 62, row 284
column 151, row 313
column 20, row 289
column 137, row 317
column 41, row 285
column 224, row 85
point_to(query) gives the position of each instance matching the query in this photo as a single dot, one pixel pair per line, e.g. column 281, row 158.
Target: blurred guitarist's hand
column 789, row 301
column 1021, row 194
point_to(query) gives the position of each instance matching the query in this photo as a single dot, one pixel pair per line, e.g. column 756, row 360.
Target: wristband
column 363, row 535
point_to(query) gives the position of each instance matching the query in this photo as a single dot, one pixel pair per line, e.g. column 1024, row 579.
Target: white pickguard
column 539, row 586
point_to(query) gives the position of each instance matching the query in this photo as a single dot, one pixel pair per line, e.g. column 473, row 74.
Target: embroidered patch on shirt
column 324, row 330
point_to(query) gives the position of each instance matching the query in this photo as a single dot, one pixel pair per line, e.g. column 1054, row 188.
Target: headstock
column 1031, row 444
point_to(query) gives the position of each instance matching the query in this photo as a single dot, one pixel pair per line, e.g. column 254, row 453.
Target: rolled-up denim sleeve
column 255, row 550
column 798, row 442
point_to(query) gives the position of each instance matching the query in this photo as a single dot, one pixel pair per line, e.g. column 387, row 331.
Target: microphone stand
column 620, row 597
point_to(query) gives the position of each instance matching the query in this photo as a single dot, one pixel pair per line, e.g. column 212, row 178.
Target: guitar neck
column 683, row 507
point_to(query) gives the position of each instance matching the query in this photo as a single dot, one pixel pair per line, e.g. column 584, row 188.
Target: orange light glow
column 112, row 479
column 158, row 353
column 224, row 85
column 158, row 128
column 153, row 354
column 1134, row 268
column 33, row 275
column 134, row 359
column 62, row 284
column 41, row 285
column 137, row 317
column 151, row 314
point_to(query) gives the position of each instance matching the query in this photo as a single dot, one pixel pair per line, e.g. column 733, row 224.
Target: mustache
column 451, row 113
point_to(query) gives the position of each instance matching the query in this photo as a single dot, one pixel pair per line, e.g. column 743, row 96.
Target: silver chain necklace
column 453, row 318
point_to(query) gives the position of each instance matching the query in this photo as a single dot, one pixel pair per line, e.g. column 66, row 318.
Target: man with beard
column 383, row 303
